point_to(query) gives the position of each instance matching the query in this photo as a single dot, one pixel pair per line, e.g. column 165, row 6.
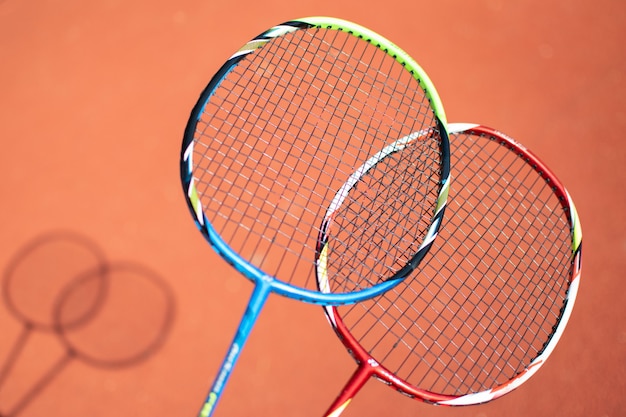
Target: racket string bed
column 396, row 203
column 311, row 163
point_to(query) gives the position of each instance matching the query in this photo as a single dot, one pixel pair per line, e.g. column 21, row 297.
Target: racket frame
column 250, row 271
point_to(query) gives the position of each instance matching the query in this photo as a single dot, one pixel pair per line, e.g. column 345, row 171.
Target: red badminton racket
column 488, row 305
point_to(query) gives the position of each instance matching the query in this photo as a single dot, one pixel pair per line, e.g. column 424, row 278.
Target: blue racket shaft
column 260, row 294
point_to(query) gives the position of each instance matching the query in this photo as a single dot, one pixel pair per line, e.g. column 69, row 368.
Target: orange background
column 94, row 97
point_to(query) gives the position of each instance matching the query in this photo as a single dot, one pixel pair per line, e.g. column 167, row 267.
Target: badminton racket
column 290, row 166
column 489, row 304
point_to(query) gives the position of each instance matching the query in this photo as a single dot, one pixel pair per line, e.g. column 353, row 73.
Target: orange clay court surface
column 94, row 97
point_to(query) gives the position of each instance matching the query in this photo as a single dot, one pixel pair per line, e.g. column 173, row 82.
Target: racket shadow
column 109, row 315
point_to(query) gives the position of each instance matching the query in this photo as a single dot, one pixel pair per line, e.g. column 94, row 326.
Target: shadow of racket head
column 39, row 271
column 133, row 323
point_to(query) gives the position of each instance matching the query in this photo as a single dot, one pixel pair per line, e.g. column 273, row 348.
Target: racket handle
column 261, row 291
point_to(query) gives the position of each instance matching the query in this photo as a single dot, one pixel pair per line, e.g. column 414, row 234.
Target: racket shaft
column 13, row 357
column 352, row 387
column 261, row 291
column 43, row 382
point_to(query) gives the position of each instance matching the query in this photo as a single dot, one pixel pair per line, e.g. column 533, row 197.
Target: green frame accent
column 388, row 47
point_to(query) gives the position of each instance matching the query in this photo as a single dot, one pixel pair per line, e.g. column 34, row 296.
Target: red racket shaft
column 354, row 385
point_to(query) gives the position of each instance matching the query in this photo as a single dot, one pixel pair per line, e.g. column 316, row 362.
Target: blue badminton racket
column 292, row 169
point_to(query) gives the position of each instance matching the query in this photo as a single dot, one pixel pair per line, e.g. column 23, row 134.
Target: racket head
column 261, row 162
column 470, row 326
